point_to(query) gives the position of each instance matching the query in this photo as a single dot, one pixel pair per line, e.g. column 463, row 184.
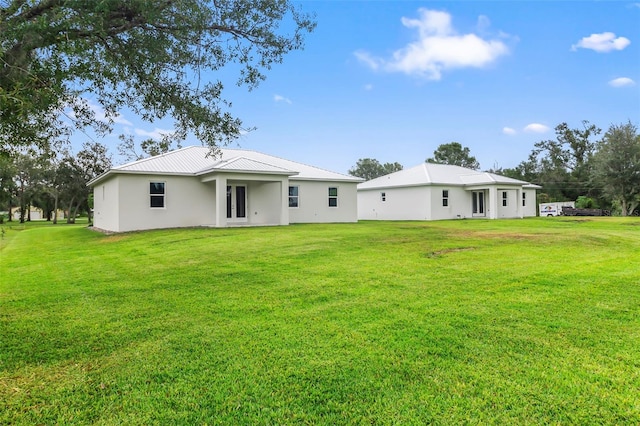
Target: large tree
column 455, row 154
column 370, row 168
column 617, row 166
column 563, row 164
column 156, row 57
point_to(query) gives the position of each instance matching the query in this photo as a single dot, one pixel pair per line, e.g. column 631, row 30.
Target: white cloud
column 622, row 82
column 438, row 48
column 279, row 98
column 536, row 128
column 368, row 87
column 509, row 131
column 602, row 43
column 155, row 134
column 367, row 59
column 483, row 23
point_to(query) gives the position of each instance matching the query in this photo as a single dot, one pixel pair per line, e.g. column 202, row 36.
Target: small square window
column 524, row 199
column 504, row 198
column 156, row 194
column 383, row 196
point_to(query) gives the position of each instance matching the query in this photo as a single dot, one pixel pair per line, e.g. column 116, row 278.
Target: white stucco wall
column 529, row 209
column 188, row 202
column 264, row 202
column 459, row 203
column 513, row 199
column 105, row 205
column 402, row 203
column 313, row 201
column 122, row 202
column 425, row 203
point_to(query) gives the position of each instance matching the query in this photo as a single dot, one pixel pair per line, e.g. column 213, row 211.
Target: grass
column 476, row 322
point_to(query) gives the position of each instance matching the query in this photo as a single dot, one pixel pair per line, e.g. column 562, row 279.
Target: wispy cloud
column 536, row 128
column 279, row 98
column 602, row 43
column 437, row 48
column 155, row 134
column 368, row 87
column 99, row 114
column 509, row 131
column 622, row 82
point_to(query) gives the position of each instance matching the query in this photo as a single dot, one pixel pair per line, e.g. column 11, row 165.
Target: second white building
column 438, row 191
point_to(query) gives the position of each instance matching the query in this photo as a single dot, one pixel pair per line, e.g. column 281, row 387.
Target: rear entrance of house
column 236, row 203
column 477, row 203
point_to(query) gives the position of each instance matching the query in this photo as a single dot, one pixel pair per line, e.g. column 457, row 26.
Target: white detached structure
column 186, row 188
column 439, row 191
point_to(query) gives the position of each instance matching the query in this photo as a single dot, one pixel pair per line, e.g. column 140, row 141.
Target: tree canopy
column 454, row 154
column 150, row 56
column 370, row 168
column 563, row 164
column 617, row 166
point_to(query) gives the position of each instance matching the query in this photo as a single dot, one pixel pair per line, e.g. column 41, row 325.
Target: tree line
column 575, row 166
column 51, row 182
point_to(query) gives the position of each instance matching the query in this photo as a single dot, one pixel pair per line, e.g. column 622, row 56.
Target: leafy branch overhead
column 152, row 56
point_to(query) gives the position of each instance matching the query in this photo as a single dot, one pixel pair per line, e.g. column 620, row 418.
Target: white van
column 555, row 209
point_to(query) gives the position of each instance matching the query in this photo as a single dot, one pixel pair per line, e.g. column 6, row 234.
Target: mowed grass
column 532, row 321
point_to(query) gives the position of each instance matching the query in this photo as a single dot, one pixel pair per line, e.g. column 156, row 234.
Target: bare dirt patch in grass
column 440, row 253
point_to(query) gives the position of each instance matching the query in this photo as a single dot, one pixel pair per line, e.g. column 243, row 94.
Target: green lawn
column 531, row 321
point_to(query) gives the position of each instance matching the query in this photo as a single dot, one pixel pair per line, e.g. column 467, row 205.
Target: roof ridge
column 426, row 171
column 289, row 161
column 153, row 157
column 240, row 157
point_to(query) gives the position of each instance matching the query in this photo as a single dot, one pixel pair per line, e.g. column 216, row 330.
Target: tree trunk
column 70, row 217
column 55, row 209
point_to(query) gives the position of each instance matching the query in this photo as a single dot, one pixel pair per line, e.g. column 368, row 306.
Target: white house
column 187, row 187
column 438, row 191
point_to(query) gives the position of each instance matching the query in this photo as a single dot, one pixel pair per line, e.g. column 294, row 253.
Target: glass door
column 236, row 203
column 477, row 201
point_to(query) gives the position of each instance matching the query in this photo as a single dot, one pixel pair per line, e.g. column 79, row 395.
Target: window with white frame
column 524, row 199
column 333, row 196
column 383, row 196
column 156, row 194
column 294, row 199
column 445, row 198
column 504, row 198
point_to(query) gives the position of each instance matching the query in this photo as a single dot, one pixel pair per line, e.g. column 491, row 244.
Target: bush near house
column 470, row 321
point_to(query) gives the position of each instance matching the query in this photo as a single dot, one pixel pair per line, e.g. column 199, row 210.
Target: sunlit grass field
column 533, row 321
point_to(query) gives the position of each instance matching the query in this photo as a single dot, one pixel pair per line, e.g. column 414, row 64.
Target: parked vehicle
column 555, row 209
column 570, row 211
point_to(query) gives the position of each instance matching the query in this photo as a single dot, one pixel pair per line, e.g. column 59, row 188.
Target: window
column 504, row 198
column 333, row 196
column 524, row 199
column 293, row 196
column 383, row 196
column 445, row 198
column 156, row 193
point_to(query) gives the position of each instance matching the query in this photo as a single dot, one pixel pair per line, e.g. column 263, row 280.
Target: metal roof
column 439, row 174
column 196, row 160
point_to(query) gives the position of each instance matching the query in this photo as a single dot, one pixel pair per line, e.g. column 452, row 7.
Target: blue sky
column 392, row 80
